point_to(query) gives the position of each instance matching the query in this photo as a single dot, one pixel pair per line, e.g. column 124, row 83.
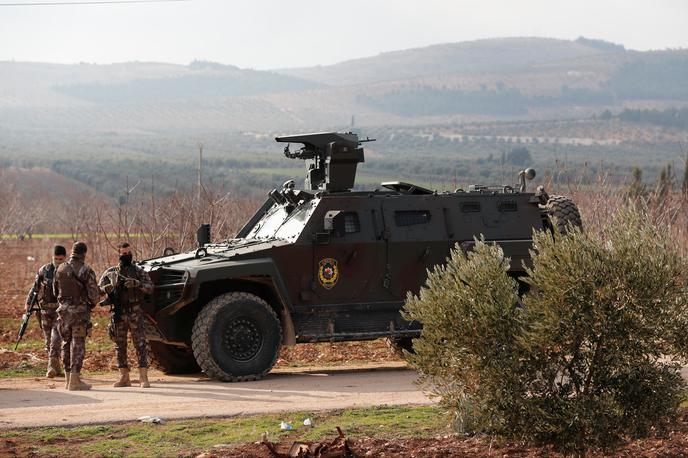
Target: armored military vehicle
column 327, row 262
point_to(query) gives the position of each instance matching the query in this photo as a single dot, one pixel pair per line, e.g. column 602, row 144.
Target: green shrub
column 590, row 356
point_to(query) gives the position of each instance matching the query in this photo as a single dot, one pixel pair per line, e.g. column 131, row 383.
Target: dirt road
column 26, row 402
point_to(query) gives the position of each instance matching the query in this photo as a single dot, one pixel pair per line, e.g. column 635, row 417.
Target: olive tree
column 589, row 356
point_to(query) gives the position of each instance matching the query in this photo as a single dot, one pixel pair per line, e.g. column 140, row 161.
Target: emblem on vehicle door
column 328, row 273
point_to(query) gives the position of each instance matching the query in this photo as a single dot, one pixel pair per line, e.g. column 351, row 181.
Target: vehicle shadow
column 296, row 371
column 372, row 380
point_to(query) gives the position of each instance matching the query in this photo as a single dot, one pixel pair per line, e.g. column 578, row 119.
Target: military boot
column 123, row 378
column 143, row 377
column 75, row 383
column 66, row 380
column 53, row 368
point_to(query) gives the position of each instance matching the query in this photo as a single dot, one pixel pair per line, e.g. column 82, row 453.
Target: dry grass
column 601, row 196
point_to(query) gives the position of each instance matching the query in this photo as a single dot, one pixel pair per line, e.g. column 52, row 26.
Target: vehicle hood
column 213, row 254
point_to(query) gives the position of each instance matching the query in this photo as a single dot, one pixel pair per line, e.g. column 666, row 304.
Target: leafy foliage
column 519, row 156
column 589, row 357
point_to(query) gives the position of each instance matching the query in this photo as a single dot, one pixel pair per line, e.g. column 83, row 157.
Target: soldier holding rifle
column 125, row 285
column 41, row 296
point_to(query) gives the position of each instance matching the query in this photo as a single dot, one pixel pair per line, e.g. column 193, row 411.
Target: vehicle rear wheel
column 172, row 359
column 563, row 213
column 399, row 344
column 236, row 337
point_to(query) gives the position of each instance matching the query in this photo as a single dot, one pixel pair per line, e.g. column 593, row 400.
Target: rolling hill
column 480, row 56
column 497, row 79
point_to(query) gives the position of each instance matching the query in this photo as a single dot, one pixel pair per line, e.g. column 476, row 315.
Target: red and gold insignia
column 328, row 273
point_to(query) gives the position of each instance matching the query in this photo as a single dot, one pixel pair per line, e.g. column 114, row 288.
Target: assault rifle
column 114, row 299
column 33, row 308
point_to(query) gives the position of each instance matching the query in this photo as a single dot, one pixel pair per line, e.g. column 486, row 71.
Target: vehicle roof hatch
column 406, row 188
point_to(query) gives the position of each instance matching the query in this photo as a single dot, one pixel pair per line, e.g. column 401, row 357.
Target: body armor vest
column 71, row 288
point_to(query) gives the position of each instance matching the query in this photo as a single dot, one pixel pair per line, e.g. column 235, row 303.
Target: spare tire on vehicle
column 563, row 213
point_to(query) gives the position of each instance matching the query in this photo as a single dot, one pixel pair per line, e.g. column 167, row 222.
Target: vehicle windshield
column 277, row 223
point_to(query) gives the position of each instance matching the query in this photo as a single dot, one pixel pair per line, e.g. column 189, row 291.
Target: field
column 392, row 431
column 381, row 431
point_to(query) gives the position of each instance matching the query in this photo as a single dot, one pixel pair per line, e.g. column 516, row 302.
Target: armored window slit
column 411, row 217
column 507, row 206
column 470, row 207
column 351, row 223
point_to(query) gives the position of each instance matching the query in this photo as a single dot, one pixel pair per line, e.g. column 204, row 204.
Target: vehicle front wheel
column 236, row 337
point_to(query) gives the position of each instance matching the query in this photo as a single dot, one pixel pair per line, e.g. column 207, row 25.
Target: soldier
column 43, row 289
column 77, row 293
column 125, row 285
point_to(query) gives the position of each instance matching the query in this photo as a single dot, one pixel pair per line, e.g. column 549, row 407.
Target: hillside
column 28, row 84
column 485, row 80
column 480, row 56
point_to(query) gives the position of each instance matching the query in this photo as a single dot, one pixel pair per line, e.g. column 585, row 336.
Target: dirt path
column 38, row 402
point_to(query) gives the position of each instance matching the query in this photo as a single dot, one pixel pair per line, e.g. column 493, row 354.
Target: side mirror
column 203, row 235
column 334, row 222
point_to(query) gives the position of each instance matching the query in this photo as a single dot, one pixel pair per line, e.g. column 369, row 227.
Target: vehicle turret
column 333, row 158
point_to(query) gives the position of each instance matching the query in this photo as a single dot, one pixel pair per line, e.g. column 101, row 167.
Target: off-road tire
column 563, row 213
column 399, row 344
column 224, row 329
column 172, row 359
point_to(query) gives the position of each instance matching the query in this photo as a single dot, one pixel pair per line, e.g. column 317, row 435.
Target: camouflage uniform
column 77, row 292
column 131, row 318
column 43, row 287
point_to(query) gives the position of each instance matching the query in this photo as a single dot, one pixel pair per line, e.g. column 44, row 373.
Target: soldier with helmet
column 125, row 284
column 43, row 291
column 77, row 293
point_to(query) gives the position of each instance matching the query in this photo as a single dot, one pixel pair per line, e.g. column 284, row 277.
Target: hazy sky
column 285, row 33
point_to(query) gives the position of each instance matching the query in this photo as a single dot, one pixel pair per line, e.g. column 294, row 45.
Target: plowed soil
column 668, row 445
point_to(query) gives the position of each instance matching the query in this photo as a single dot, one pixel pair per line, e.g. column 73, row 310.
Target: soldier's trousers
column 73, row 323
column 53, row 341
column 132, row 321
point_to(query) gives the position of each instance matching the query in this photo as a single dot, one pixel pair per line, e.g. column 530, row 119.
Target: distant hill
column 37, row 84
column 202, row 82
column 47, row 185
column 480, row 56
column 496, row 79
